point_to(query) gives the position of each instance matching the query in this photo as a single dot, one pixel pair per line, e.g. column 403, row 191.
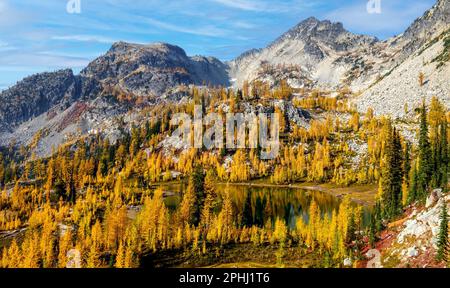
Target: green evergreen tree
column 444, row 156
column 397, row 173
column 378, row 217
column 412, row 195
column 351, row 230
column 443, row 244
column 425, row 169
column 392, row 176
column 407, row 162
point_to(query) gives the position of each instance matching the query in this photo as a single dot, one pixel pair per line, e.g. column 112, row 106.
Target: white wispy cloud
column 244, row 4
column 85, row 38
column 35, row 59
column 207, row 30
column 290, row 6
column 244, row 25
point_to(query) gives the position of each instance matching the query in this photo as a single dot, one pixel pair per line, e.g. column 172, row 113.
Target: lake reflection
column 267, row 203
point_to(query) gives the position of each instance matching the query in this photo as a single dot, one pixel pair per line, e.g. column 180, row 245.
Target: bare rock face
column 324, row 54
column 435, row 195
column 295, row 115
column 40, row 93
column 423, row 29
column 153, row 69
column 424, row 47
column 82, row 102
column 313, row 47
column 35, row 95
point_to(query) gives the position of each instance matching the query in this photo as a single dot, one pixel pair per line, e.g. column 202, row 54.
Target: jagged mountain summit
column 423, row 48
column 324, row 55
column 314, row 47
column 431, row 24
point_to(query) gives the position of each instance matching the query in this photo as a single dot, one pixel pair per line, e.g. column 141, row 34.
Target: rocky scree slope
column 314, row 46
column 412, row 241
column 323, row 54
column 423, row 48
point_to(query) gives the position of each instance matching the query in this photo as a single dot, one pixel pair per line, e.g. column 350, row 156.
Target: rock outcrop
column 40, row 93
column 313, row 46
column 414, row 241
column 35, row 95
column 150, row 70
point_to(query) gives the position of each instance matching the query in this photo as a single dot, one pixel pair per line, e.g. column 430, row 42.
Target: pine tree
column 444, row 155
column 226, row 217
column 425, row 165
column 407, row 162
column 378, row 217
column 443, row 243
column 65, row 243
column 128, row 261
column 372, row 232
column 392, row 174
column 93, row 258
column 414, row 179
column 397, row 172
column 14, row 255
column 351, row 230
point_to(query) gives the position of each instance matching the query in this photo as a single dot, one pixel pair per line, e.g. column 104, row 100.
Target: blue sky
column 40, row 35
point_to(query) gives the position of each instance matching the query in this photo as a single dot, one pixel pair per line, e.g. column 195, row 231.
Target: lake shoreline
column 364, row 195
column 339, row 192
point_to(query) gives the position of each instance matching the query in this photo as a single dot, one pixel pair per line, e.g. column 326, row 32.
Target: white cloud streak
column 30, row 59
column 208, row 30
column 244, row 4
column 85, row 38
column 266, row 6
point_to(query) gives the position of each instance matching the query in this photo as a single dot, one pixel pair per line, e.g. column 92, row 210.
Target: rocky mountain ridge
column 150, row 70
column 39, row 93
column 313, row 45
